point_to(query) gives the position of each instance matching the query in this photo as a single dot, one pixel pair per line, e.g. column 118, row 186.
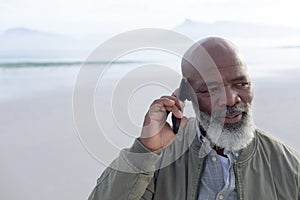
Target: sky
column 79, row 17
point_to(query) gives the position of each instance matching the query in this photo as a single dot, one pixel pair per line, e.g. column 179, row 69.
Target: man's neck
column 220, row 151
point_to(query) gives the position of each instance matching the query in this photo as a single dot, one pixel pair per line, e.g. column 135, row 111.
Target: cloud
column 84, row 16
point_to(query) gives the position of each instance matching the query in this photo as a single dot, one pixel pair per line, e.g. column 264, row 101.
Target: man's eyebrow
column 215, row 83
column 208, row 84
column 240, row 78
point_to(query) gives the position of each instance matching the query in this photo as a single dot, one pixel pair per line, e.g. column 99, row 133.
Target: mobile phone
column 183, row 94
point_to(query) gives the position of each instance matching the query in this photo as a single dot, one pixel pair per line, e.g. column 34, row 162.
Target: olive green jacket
column 266, row 170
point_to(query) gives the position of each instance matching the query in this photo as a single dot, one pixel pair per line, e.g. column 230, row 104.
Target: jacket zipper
column 239, row 188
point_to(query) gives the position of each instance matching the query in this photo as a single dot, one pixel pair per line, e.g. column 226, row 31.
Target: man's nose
column 231, row 97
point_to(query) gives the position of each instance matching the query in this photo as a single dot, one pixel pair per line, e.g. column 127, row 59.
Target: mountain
column 20, row 43
column 237, row 30
column 20, row 31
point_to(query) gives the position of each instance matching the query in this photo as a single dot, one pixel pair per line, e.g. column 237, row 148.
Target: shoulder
column 275, row 148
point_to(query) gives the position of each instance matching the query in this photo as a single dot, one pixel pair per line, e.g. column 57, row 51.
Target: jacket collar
column 248, row 152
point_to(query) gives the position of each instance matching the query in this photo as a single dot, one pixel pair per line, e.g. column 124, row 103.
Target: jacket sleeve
column 130, row 176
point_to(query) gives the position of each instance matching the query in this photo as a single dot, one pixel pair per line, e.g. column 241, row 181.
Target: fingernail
column 181, row 104
column 171, row 100
column 181, row 115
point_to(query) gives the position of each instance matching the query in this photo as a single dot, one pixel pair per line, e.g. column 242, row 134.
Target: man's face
column 224, row 101
column 233, row 90
column 221, row 92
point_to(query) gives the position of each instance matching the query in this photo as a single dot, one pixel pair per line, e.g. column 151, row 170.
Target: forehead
column 219, row 75
column 213, row 60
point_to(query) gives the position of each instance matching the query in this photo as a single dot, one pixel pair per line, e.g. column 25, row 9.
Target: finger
column 165, row 101
column 160, row 104
column 183, row 122
column 158, row 111
column 175, row 110
column 178, row 103
column 157, row 108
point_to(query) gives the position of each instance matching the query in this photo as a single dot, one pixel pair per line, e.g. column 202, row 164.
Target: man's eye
column 243, row 85
column 209, row 91
column 213, row 90
column 202, row 92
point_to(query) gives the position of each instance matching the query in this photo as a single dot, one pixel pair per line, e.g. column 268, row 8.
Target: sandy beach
column 42, row 155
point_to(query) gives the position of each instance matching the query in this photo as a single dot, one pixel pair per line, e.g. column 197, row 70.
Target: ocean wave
column 60, row 63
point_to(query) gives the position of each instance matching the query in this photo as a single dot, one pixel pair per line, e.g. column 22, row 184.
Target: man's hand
column 157, row 134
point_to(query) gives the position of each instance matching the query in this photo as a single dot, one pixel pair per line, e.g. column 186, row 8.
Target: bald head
column 222, row 51
column 208, row 53
column 216, row 73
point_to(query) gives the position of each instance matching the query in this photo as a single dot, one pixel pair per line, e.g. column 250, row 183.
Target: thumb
column 183, row 122
column 174, row 94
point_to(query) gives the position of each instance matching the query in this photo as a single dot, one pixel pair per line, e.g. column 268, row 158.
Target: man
column 218, row 155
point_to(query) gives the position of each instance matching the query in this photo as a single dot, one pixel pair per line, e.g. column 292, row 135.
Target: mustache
column 231, row 110
column 234, row 109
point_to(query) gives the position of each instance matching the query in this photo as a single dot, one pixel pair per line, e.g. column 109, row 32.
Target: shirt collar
column 208, row 146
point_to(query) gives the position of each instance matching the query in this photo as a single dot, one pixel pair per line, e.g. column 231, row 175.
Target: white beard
column 231, row 137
